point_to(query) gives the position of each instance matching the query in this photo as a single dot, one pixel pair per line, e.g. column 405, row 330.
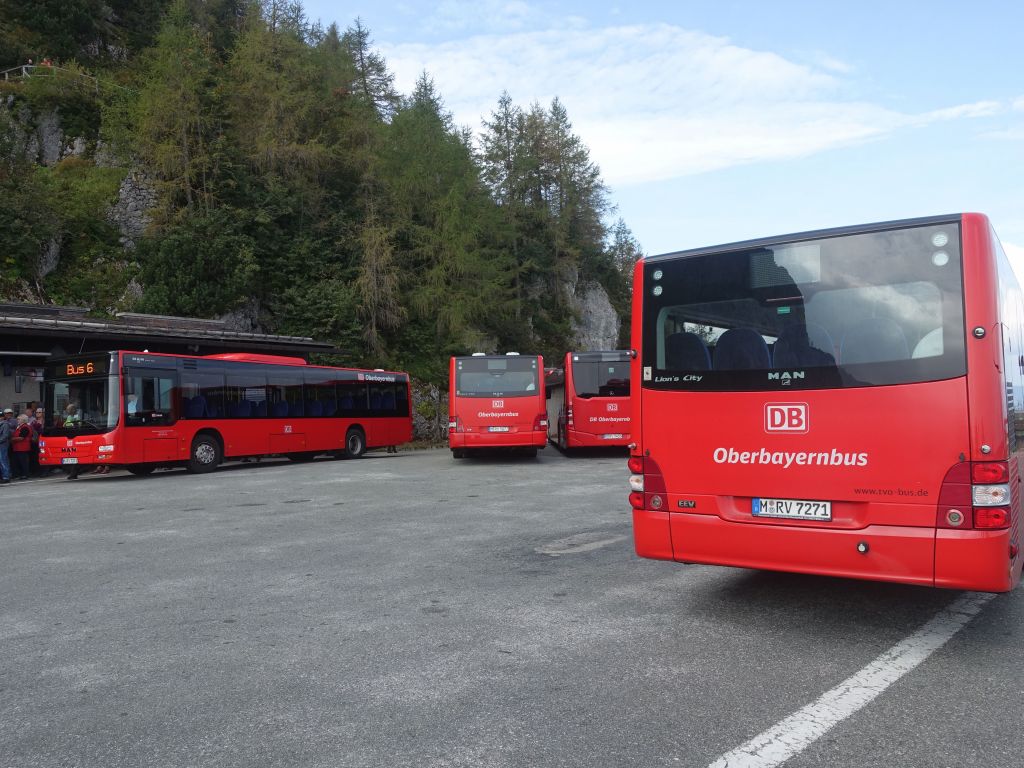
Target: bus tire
column 530, row 453
column 141, row 469
column 355, row 443
column 458, row 453
column 205, row 454
column 563, row 440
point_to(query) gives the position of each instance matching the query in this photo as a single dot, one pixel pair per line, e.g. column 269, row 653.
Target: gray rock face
column 598, row 324
column 245, row 319
column 131, row 213
column 49, row 258
column 49, row 139
column 429, row 412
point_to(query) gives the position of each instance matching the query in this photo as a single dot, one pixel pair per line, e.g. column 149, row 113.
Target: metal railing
column 26, row 71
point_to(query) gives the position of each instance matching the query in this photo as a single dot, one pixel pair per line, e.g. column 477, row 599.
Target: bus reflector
column 990, row 472
column 955, row 518
column 992, row 517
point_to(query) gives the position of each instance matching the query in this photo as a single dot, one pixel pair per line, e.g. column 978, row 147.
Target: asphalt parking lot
column 410, row 609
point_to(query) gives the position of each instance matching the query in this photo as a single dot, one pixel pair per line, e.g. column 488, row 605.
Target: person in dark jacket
column 6, row 427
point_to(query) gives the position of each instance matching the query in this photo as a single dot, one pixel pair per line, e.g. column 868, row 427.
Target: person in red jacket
column 21, row 447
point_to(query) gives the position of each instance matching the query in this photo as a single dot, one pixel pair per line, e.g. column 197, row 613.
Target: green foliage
column 204, row 266
column 297, row 185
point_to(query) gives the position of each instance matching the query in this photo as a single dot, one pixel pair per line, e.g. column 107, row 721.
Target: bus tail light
column 990, row 495
column 454, row 424
column 975, row 495
column 991, row 517
column 541, row 422
column 568, row 416
column 646, row 483
column 990, row 472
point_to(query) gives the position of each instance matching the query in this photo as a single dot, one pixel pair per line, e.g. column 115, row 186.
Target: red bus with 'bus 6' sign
column 496, row 401
column 143, row 410
column 588, row 400
column 845, row 402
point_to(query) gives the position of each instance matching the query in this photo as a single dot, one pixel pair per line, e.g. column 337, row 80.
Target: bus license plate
column 795, row 509
column 617, row 436
column 69, row 461
column 497, row 429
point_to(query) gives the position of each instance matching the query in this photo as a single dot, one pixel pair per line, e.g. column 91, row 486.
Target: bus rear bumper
column 978, row 560
column 587, row 440
column 893, row 553
column 530, row 439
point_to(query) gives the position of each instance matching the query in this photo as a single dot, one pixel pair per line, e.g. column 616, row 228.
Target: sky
column 715, row 121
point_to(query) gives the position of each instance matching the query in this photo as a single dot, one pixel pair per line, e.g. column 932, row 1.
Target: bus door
column 150, row 413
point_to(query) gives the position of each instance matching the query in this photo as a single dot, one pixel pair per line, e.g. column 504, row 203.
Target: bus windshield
column 601, row 375
column 857, row 310
column 510, row 376
column 81, row 397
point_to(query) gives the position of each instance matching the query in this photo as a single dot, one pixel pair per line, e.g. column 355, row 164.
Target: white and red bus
column 496, row 401
column 845, row 402
column 588, row 400
column 143, row 410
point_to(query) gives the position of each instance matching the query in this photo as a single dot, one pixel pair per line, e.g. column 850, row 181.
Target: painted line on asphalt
column 791, row 736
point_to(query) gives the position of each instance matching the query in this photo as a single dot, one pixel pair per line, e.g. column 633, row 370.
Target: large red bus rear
column 144, row 410
column 844, row 402
column 588, row 400
column 496, row 401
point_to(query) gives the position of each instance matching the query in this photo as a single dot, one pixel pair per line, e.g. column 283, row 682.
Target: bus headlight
column 990, row 495
column 106, row 449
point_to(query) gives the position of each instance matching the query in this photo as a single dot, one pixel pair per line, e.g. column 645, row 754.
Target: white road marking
column 581, row 542
column 793, row 735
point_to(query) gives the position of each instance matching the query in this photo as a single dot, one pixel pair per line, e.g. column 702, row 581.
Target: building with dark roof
column 29, row 334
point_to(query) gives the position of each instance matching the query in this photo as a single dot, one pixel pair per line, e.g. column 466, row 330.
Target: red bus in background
column 588, row 400
column 845, row 402
column 496, row 401
column 143, row 410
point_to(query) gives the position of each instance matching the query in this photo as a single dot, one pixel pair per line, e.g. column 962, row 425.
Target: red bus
column 588, row 400
column 496, row 401
column 143, row 410
column 846, row 402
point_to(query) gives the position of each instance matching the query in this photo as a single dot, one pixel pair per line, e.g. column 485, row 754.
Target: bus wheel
column 355, row 443
column 458, row 453
column 563, row 441
column 205, row 454
column 530, row 453
column 140, row 469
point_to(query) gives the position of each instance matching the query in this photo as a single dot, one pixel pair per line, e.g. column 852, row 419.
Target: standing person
column 37, row 428
column 5, row 444
column 35, row 423
column 21, row 447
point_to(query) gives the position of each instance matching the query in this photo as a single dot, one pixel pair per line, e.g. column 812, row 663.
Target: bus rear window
column 511, row 376
column 594, row 378
column 877, row 308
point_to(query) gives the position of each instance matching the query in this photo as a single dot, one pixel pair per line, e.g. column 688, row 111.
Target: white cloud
column 657, row 101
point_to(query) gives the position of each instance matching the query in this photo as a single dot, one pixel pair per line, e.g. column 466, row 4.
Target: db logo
column 613, row 407
column 497, row 404
column 786, row 417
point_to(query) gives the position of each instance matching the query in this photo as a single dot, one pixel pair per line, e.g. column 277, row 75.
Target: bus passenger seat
column 686, row 352
column 800, row 346
column 330, row 407
column 314, row 408
column 195, row 408
column 741, row 349
column 930, row 345
column 279, row 410
column 873, row 340
column 259, row 410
